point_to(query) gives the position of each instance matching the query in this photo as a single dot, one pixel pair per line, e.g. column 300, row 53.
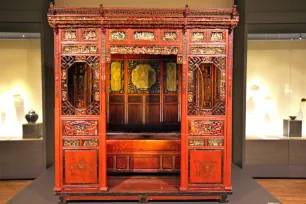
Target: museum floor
column 287, row 191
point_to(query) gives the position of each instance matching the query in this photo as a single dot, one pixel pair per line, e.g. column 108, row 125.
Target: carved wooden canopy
column 61, row 17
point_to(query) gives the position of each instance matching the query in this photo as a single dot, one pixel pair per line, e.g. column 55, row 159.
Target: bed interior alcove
column 143, row 114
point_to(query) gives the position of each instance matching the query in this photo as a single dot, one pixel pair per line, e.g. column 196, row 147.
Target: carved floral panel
column 69, row 34
column 90, row 35
column 198, row 36
column 204, row 50
column 90, row 142
column 196, row 142
column 117, row 35
column 217, row 36
column 205, row 127
column 80, row 127
column 71, row 143
column 80, row 49
column 170, row 36
column 151, row 50
column 144, row 35
column 215, row 142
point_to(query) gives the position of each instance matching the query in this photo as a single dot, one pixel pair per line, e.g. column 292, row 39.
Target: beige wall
column 148, row 4
column 279, row 69
column 20, row 64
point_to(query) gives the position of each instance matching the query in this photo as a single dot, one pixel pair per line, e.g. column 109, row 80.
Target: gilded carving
column 215, row 142
column 152, row 50
column 198, row 50
column 91, row 143
column 116, row 76
column 144, row 35
column 216, row 36
column 117, row 35
column 76, row 127
column 83, row 49
column 69, row 34
column 64, row 75
column 71, row 142
column 204, row 127
column 90, row 35
column 170, row 36
column 82, row 166
column 179, row 59
column 197, row 36
column 64, row 95
column 171, row 77
column 196, row 142
column 143, row 76
column 97, row 96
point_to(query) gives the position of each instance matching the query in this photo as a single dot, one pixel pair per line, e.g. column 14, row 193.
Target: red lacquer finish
column 185, row 105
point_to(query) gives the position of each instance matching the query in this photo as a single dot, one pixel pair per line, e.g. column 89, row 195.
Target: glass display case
column 20, row 82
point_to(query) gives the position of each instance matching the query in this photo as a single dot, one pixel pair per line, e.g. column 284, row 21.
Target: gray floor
column 246, row 191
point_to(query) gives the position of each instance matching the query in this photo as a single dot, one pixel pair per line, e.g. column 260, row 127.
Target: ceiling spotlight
column 23, row 36
column 300, row 37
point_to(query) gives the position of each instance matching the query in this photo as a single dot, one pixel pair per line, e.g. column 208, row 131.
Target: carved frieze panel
column 217, row 36
column 151, row 50
column 80, row 49
column 144, row 35
column 69, row 34
column 205, row 127
column 117, row 35
column 71, row 143
column 90, row 142
column 90, row 35
column 198, row 36
column 196, row 142
column 143, row 76
column 215, row 142
column 80, row 127
column 73, row 101
column 170, row 36
column 207, row 50
column 203, row 80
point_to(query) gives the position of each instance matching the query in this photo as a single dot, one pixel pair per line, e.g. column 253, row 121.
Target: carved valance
column 141, row 17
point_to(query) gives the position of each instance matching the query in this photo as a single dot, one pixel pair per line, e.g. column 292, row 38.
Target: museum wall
column 275, row 85
column 20, row 63
column 148, row 4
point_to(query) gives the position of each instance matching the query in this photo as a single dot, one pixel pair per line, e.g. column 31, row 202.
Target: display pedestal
column 292, row 128
column 32, row 130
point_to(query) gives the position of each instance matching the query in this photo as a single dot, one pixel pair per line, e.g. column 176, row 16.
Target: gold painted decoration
column 116, row 82
column 215, row 142
column 143, row 76
column 151, row 50
column 69, row 35
column 198, row 36
column 170, row 36
column 216, row 36
column 71, row 142
column 83, row 49
column 117, row 35
column 196, row 142
column 199, row 50
column 171, row 77
column 90, row 35
column 144, row 35
column 91, row 143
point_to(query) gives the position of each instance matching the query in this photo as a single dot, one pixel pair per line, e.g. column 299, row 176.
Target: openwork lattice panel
column 80, row 127
column 206, row 85
column 205, row 127
column 80, row 88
